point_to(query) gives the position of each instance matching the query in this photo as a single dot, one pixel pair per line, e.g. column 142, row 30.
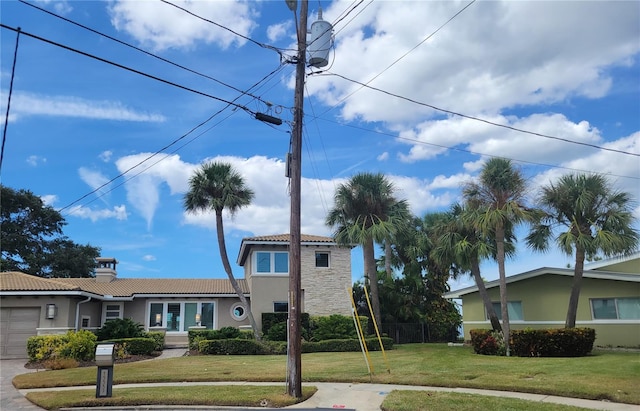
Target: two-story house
column 32, row 305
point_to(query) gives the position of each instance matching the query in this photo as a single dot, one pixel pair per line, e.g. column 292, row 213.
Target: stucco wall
column 544, row 305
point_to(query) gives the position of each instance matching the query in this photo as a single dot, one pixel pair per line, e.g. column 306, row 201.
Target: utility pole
column 294, row 343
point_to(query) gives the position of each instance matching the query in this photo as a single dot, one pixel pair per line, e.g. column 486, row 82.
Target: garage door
column 16, row 325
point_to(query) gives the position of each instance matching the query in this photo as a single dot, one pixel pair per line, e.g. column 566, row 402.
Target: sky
column 114, row 104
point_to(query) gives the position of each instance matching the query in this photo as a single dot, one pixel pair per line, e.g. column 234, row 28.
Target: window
column 615, row 308
column 179, row 316
column 515, row 310
column 238, row 312
column 85, row 322
column 111, row 311
column 280, row 307
column 271, row 262
column 322, row 259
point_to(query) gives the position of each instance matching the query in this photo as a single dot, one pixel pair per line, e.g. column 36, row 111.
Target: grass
column 446, row 401
column 604, row 375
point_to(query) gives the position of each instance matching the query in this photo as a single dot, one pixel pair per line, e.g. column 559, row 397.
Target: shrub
column 78, row 345
column 333, row 327
column 271, row 319
column 60, row 363
column 558, row 342
column 487, row 342
column 120, row 328
column 133, row 346
column 230, row 347
column 157, row 337
column 277, row 332
column 346, row 345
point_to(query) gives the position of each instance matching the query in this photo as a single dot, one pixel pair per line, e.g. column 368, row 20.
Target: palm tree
column 597, row 219
column 217, row 186
column 458, row 242
column 496, row 199
column 365, row 212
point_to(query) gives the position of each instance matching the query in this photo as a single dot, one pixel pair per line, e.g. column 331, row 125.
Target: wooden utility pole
column 294, row 343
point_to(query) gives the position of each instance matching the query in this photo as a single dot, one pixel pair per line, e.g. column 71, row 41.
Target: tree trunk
column 575, row 289
column 506, row 329
column 227, row 268
column 488, row 305
column 371, row 272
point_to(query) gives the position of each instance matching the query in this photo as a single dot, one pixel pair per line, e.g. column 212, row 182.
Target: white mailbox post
column 105, row 357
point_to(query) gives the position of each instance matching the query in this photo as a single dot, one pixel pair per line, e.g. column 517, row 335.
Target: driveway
column 10, row 398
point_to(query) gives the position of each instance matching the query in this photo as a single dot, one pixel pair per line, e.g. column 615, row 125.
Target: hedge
column 559, row 342
column 133, row 346
column 252, row 347
column 553, row 342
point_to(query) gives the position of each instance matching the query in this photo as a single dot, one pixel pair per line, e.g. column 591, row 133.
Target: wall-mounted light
column 51, row 311
column 158, row 320
column 198, row 320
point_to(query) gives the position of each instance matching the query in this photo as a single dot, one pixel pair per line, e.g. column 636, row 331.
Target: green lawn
column 610, row 375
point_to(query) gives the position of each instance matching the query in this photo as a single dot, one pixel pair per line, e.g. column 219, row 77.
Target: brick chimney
column 106, row 270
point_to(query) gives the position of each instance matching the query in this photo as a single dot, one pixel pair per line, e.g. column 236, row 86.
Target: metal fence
column 405, row 333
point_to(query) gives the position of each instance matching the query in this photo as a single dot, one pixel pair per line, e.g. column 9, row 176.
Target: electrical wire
column 128, row 68
column 136, row 48
column 157, row 152
column 566, row 140
column 476, row 153
column 6, row 118
column 266, row 46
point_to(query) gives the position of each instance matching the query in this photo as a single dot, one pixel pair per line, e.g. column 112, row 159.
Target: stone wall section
column 326, row 290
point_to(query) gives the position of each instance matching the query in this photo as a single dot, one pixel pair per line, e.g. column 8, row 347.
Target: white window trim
column 272, row 263
column 165, row 308
column 104, row 310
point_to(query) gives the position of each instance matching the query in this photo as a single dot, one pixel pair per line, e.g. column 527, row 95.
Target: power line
column 122, row 174
column 566, row 140
column 138, row 49
column 128, row 68
column 6, row 119
column 476, row 153
column 266, row 46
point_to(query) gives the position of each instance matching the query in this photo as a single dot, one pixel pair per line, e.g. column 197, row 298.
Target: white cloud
column 492, row 56
column 118, row 212
column 32, row 104
column 34, row 160
column 162, row 26
column 49, row 199
column 276, row 32
column 383, row 157
column 61, row 7
column 149, row 257
column 105, row 156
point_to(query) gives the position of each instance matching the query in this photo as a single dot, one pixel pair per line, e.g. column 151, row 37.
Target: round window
column 238, row 312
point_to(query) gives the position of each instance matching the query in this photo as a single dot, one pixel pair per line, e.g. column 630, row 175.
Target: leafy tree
column 595, row 219
column 33, row 241
column 496, row 199
column 217, row 186
column 366, row 212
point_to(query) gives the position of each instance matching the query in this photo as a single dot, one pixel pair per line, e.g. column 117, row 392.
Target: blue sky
column 568, row 70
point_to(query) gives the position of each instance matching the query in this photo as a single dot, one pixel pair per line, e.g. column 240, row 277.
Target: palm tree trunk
column 227, row 268
column 371, row 272
column 503, row 288
column 488, row 305
column 578, row 271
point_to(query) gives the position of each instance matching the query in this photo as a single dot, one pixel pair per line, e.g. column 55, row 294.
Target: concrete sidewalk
column 360, row 397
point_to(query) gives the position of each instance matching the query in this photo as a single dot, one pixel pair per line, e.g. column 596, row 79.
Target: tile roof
column 280, row 239
column 120, row 287
column 305, row 238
